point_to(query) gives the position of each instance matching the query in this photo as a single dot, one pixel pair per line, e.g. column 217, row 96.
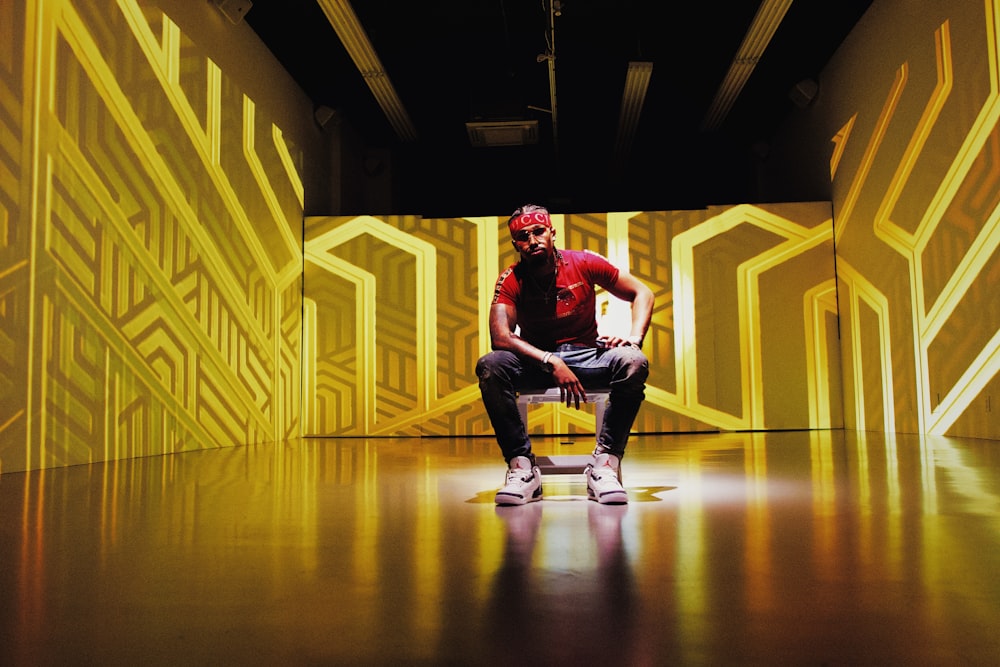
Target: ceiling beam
column 352, row 35
column 765, row 23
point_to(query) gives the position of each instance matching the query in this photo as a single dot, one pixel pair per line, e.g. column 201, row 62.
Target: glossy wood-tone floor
column 791, row 548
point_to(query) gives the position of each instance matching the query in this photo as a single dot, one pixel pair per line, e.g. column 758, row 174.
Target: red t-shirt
column 565, row 313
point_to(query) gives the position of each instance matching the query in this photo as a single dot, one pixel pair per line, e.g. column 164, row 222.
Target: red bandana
column 529, row 220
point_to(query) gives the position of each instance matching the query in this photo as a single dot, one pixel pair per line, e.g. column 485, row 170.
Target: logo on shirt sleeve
column 499, row 286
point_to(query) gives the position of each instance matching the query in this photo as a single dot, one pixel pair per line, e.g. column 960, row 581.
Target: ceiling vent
column 503, row 133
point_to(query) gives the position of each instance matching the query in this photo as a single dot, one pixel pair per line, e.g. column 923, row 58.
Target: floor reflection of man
column 562, row 612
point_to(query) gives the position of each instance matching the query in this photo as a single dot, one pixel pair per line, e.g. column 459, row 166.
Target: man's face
column 534, row 243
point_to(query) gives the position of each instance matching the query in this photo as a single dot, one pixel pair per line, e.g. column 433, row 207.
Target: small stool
column 599, row 397
column 562, row 465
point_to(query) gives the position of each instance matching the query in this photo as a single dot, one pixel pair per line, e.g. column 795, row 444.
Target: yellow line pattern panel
column 919, row 238
column 158, row 276
column 823, row 366
column 15, row 237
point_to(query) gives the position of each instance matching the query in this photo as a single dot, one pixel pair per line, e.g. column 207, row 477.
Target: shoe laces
column 600, row 472
column 603, row 472
column 518, row 475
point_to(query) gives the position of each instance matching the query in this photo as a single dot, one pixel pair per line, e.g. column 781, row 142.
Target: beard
column 539, row 261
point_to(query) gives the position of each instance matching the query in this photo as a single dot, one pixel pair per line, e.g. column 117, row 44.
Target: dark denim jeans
column 622, row 369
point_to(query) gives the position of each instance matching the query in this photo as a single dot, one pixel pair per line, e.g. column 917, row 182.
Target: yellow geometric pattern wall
column 152, row 269
column 150, row 243
column 917, row 173
column 744, row 330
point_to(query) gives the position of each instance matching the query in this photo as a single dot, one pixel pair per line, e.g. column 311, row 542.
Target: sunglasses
column 526, row 234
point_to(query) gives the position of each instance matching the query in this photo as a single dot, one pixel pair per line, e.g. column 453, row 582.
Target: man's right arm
column 503, row 322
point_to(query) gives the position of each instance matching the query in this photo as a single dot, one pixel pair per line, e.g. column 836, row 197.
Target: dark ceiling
column 454, row 61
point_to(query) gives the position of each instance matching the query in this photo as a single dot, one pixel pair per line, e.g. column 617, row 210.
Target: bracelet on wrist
column 546, row 365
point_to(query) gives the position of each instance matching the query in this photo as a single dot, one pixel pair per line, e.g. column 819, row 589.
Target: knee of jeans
column 636, row 364
column 490, row 362
column 484, row 368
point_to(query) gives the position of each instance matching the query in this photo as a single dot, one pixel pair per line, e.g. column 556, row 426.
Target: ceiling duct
column 502, row 133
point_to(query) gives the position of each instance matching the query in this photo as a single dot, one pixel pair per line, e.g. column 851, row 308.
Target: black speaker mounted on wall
column 234, row 10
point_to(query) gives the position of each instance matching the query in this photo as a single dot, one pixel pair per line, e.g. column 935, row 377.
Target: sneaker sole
column 506, row 499
column 609, row 497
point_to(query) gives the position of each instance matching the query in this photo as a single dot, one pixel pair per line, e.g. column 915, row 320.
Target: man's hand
column 618, row 341
column 570, row 389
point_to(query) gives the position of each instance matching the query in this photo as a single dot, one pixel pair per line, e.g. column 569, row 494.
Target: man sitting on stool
column 549, row 294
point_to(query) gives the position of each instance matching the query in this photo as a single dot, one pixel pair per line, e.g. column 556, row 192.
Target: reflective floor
column 791, row 548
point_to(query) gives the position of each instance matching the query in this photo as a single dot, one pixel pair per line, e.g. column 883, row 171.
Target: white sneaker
column 524, row 483
column 604, row 480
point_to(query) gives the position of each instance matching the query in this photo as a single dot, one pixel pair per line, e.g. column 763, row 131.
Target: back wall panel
column 743, row 333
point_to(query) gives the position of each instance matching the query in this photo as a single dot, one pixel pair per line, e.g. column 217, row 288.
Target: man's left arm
column 631, row 289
